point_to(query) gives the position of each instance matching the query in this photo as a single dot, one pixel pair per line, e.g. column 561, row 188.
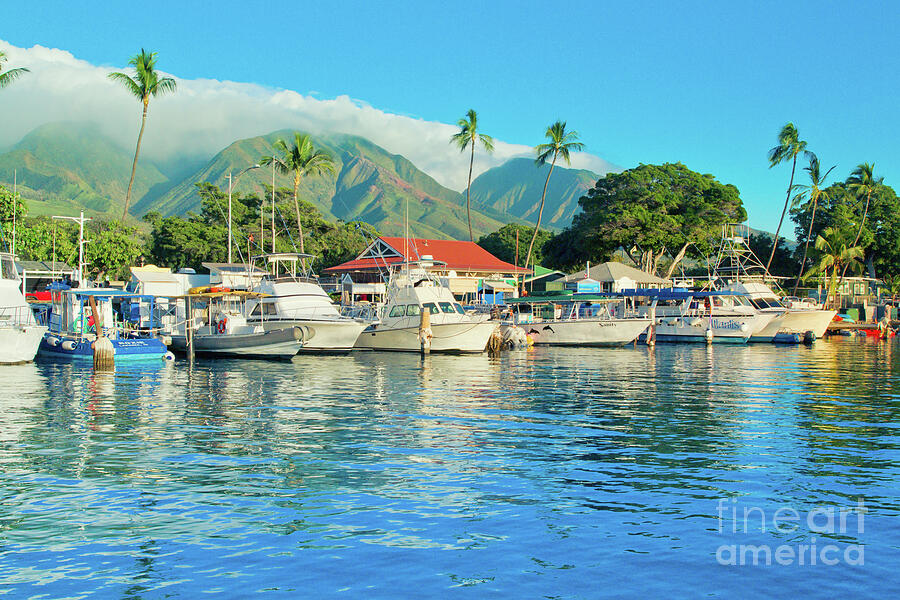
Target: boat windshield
column 413, row 310
column 762, row 303
column 9, row 268
column 459, row 309
column 446, row 307
column 432, row 307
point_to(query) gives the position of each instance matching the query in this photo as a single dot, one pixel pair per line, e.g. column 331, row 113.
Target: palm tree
column 10, row 75
column 561, row 144
column 468, row 136
column 789, row 146
column 863, row 181
column 302, row 159
column 835, row 254
column 146, row 82
column 812, row 194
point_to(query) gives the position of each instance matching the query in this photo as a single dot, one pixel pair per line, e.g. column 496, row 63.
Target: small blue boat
column 125, row 319
column 787, row 337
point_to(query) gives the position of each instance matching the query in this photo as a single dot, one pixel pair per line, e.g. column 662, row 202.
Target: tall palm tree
column 10, row 75
column 863, row 181
column 145, row 83
column 468, row 136
column 302, row 159
column 561, row 143
column 789, row 146
column 811, row 194
column 836, row 253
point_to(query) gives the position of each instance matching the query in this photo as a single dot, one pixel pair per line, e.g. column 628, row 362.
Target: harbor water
column 676, row 472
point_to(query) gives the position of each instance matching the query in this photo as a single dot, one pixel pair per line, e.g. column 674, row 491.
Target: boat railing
column 16, row 316
column 364, row 312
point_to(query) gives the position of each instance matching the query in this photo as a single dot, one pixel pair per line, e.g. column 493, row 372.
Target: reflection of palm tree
column 789, row 146
column 146, row 82
column 468, row 135
column 836, row 253
column 812, row 194
column 561, row 144
column 302, row 159
column 10, row 75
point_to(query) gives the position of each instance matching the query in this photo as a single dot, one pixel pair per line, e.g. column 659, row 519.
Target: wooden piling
column 425, row 334
column 104, row 352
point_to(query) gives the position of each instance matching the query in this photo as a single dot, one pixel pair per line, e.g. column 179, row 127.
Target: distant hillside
column 370, row 185
column 64, row 167
column 515, row 188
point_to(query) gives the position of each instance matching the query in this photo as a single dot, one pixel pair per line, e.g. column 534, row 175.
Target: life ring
column 222, row 325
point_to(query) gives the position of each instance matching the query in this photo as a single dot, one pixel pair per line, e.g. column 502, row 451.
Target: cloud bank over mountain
column 205, row 115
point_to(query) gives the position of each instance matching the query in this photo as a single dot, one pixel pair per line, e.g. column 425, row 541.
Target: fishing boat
column 78, row 318
column 578, row 320
column 20, row 334
column 290, row 296
column 738, row 269
column 702, row 316
column 214, row 322
column 410, row 291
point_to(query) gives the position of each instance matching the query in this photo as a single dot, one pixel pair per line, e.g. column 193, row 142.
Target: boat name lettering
column 726, row 324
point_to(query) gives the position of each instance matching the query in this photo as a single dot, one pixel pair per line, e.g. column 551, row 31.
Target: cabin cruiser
column 713, row 317
column 792, row 315
column 289, row 299
column 214, row 322
column 20, row 333
column 578, row 320
column 410, row 291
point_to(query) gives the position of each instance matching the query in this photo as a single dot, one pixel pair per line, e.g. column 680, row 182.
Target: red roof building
column 467, row 266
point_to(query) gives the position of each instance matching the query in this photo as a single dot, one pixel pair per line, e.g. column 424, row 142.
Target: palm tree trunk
column 858, row 233
column 137, row 151
column 297, row 210
column 540, row 214
column 783, row 212
column 468, row 187
column 677, row 259
column 806, row 246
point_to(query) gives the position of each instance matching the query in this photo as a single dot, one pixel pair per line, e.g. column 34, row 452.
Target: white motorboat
column 291, row 300
column 20, row 334
column 409, row 292
column 577, row 320
column 712, row 317
column 215, row 323
column 738, row 269
column 796, row 316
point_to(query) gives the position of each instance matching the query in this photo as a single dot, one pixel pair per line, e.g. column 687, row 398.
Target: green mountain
column 370, row 184
column 514, row 189
column 67, row 167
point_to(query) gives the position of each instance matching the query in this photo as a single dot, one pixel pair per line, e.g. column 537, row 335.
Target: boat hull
column 326, row 337
column 278, row 344
column 726, row 329
column 124, row 349
column 799, row 321
column 458, row 338
column 586, row 332
column 19, row 343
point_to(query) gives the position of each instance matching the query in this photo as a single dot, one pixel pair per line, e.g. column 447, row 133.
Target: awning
column 462, row 285
column 498, row 286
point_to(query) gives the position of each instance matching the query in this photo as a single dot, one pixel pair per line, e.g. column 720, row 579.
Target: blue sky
column 709, row 84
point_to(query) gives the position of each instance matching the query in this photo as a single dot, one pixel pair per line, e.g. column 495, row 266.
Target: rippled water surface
column 562, row 473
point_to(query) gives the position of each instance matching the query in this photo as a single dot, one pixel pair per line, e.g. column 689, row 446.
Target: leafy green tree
column 11, row 205
column 810, row 195
column 41, row 238
column 176, row 242
column 302, row 159
column 784, row 264
column 561, row 143
column 114, row 247
column 10, row 75
column 650, row 211
column 503, row 243
column 467, row 137
column 145, row 83
column 789, row 146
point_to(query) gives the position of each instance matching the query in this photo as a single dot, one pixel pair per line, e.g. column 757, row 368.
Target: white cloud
column 206, row 115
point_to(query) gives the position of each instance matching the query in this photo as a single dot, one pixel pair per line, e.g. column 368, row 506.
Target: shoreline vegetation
column 659, row 217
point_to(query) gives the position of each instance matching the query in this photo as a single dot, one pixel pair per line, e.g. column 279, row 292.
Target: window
column 431, row 306
column 446, row 307
column 459, row 309
column 397, row 311
column 413, row 310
